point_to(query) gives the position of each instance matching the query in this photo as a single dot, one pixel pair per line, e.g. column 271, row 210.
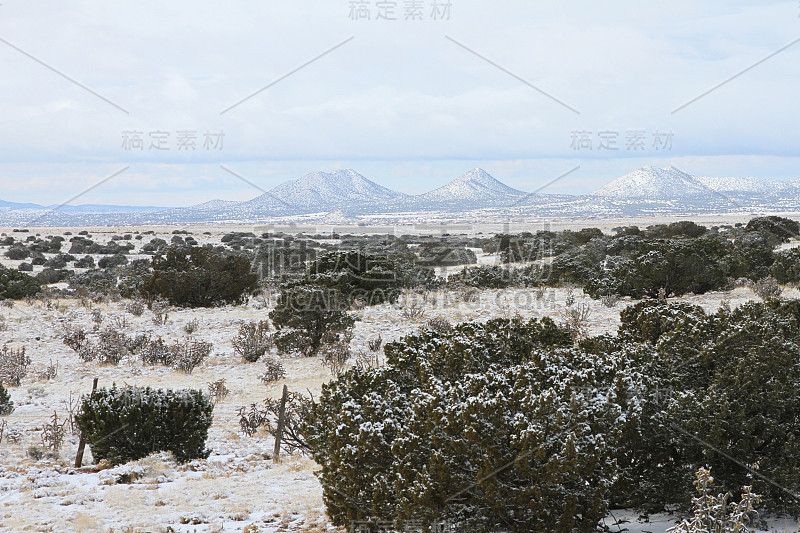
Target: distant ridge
column 752, row 186
column 213, row 205
column 15, row 205
column 345, row 196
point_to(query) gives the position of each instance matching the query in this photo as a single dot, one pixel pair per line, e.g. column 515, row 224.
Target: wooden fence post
column 82, row 442
column 279, row 431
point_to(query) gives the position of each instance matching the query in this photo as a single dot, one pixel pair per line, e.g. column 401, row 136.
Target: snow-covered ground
column 238, row 485
column 238, row 488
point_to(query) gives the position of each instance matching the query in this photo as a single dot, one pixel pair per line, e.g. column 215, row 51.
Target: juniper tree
column 306, row 315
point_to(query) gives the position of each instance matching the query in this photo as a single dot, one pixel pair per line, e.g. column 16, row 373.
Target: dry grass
column 237, row 481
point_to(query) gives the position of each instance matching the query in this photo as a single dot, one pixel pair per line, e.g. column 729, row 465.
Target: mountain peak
column 473, row 188
column 478, row 175
column 653, row 183
column 333, row 175
column 328, row 190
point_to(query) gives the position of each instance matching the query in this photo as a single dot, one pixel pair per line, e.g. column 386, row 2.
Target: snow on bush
column 126, row 424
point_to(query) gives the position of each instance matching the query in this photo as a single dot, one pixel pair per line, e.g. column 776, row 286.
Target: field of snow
column 238, row 488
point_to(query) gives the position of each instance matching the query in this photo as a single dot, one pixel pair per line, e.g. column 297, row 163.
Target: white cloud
column 400, row 102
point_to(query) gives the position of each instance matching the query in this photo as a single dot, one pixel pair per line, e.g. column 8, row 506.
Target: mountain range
column 346, row 195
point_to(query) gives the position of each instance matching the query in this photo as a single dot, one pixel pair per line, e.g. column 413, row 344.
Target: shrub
column 160, row 308
column 16, row 285
column 156, row 353
column 683, row 228
column 253, row 340
column 439, row 325
column 609, row 300
column 767, row 288
column 13, row 365
column 250, row 420
column 112, row 346
column 56, row 262
column 723, row 372
column 53, row 434
column 86, row 261
column 183, row 356
column 16, row 253
column 467, row 294
column 412, row 311
column 112, row 261
column 575, row 266
column 484, row 277
column 304, row 314
column 51, row 275
column 372, row 278
column 368, row 361
column 782, row 228
column 201, row 278
column 132, row 276
column 273, row 370
column 440, row 254
column 189, row 354
column 97, row 317
column 634, row 266
column 74, row 338
column 335, row 355
column 296, row 412
column 35, row 452
column 123, row 425
column 569, row 297
column 88, row 351
column 50, row 372
column 375, row 344
column 217, row 390
column 6, row 405
column 506, row 397
column 95, row 281
column 191, row 327
column 786, row 267
column 576, row 320
column 715, row 513
column 135, row 307
column 647, row 321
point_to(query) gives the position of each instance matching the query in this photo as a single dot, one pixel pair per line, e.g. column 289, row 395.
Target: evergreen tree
column 6, row 405
column 494, row 425
column 126, row 424
column 374, row 279
column 786, row 267
column 305, row 315
column 201, row 278
column 15, row 285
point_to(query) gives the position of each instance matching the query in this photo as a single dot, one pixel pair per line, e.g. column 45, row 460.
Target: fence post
column 82, row 442
column 279, row 431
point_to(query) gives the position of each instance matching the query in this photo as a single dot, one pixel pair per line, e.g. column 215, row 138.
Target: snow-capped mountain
column 212, row 205
column 652, row 183
column 753, row 186
column 477, row 188
column 264, row 204
column 347, row 197
column 322, row 191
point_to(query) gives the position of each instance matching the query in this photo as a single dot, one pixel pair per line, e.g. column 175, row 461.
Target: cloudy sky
column 411, row 97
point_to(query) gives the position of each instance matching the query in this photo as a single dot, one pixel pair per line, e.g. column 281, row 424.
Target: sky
column 176, row 103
